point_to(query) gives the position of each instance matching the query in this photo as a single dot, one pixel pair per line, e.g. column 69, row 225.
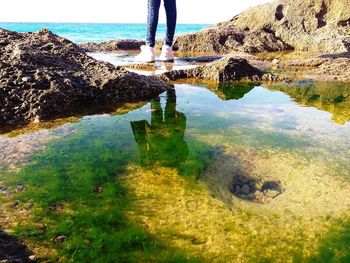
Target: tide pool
column 157, row 181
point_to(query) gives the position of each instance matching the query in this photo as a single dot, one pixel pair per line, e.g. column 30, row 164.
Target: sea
column 98, row 32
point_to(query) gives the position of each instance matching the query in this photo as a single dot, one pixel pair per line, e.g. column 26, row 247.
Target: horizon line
column 136, row 23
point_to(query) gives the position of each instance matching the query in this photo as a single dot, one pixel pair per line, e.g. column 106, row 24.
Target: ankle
column 150, row 45
column 147, row 48
column 167, row 48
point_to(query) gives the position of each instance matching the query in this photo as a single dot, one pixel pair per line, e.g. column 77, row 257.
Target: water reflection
column 331, row 97
column 162, row 141
column 229, row 91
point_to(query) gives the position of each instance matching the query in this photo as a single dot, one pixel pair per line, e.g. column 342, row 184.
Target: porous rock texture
column 225, row 69
column 323, row 68
column 308, row 25
column 113, row 45
column 43, row 76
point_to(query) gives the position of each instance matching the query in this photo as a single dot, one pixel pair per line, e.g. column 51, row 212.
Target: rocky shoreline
column 44, row 76
column 282, row 25
column 314, row 65
column 318, row 27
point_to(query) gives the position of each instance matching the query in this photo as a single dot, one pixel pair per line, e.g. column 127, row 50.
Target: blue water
column 79, row 32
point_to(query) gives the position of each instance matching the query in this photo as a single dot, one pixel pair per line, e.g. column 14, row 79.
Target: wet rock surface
column 200, row 59
column 113, row 45
column 225, row 69
column 334, row 69
column 255, row 190
column 319, row 25
column 327, row 67
column 43, row 76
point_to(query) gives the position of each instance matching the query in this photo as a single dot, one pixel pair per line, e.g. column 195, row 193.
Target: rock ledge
column 225, row 69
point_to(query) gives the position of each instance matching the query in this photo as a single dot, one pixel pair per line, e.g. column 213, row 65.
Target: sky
column 118, row 11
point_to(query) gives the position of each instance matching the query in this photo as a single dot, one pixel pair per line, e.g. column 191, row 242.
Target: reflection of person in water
column 162, row 142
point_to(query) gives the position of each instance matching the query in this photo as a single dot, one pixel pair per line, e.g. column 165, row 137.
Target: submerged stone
column 252, row 189
column 272, row 186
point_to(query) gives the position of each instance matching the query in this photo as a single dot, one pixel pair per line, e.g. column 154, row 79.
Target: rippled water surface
column 201, row 173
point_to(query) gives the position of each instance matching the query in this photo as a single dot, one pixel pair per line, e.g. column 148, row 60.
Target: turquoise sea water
column 85, row 32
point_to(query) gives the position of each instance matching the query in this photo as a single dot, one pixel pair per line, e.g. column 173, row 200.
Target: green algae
column 76, row 188
column 334, row 247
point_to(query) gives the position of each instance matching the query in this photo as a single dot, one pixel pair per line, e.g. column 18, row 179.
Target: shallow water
column 128, row 59
column 155, row 183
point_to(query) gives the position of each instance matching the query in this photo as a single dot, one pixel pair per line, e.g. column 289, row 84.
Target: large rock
column 223, row 70
column 223, row 39
column 43, row 76
column 308, row 25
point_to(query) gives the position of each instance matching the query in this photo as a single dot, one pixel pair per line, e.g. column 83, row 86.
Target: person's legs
column 152, row 21
column 147, row 51
column 171, row 16
column 148, row 54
